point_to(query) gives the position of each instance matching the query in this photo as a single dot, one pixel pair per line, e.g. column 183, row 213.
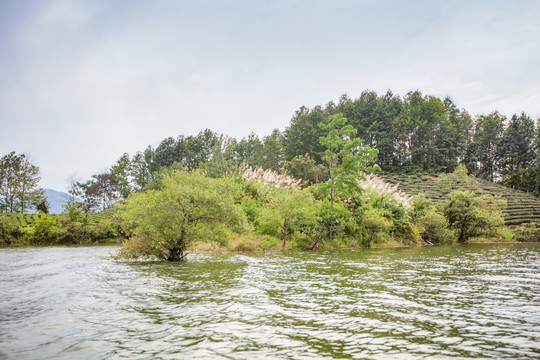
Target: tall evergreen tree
column 488, row 130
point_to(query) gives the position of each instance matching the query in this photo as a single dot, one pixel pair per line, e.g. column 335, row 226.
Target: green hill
column 522, row 207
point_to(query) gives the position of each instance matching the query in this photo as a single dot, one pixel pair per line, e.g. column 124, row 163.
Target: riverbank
column 260, row 243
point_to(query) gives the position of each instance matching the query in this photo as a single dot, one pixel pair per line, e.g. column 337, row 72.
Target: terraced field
column 522, row 207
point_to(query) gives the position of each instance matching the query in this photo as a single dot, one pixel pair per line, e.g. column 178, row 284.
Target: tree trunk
column 284, row 235
column 176, row 254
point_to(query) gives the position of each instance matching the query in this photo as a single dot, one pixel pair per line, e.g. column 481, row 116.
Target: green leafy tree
column 375, row 225
column 189, row 207
column 19, row 180
column 245, row 147
column 303, row 133
column 482, row 158
column 469, row 215
column 288, row 212
column 345, row 157
column 120, row 173
column 141, row 168
column 100, row 192
column 268, row 154
column 305, row 168
column 515, row 152
column 372, row 116
column 224, row 160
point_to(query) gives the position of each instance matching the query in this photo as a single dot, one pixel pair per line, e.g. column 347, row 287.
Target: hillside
column 57, row 200
column 522, row 207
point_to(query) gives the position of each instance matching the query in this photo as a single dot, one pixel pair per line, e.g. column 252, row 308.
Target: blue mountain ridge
column 57, row 200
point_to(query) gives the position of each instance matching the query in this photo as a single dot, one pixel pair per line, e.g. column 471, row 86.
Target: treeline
column 413, row 134
column 335, row 205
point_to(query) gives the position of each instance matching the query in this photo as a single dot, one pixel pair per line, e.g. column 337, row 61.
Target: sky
column 82, row 82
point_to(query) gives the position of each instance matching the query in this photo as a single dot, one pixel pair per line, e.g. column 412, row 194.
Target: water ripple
column 476, row 301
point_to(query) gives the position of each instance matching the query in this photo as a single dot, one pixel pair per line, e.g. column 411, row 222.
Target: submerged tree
column 189, row 207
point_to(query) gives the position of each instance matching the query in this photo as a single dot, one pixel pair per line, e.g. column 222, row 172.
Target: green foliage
column 303, row 133
column 43, row 206
column 458, row 180
column 345, row 157
column 10, row 231
column 482, row 157
column 224, row 160
column 268, row 154
column 304, row 167
column 189, row 207
column 289, row 213
column 375, row 225
column 252, row 209
column 420, row 206
column 19, row 180
column 469, row 215
column 435, row 228
column 335, row 221
column 45, row 230
column 120, row 176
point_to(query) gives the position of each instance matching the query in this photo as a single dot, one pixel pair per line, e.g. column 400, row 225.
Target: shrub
column 375, row 225
column 469, row 215
column 10, row 231
column 434, row 228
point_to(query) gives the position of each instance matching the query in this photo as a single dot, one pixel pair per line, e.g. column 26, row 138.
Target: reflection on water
column 440, row 302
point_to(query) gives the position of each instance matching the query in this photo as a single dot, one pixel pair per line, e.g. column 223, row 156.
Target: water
column 474, row 301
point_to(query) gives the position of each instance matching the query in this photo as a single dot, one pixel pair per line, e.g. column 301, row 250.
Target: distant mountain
column 57, row 200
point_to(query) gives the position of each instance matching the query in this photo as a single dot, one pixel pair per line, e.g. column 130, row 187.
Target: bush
column 289, row 212
column 434, row 228
column 45, row 230
column 10, row 230
column 469, row 215
column 375, row 225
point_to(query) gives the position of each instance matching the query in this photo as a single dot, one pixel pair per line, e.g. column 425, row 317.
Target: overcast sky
column 82, row 82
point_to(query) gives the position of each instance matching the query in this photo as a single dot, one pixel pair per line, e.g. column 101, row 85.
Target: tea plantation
column 522, row 207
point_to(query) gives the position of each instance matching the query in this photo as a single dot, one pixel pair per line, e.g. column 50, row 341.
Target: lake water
column 472, row 301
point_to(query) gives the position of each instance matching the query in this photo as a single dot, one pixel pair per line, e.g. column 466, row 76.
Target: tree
column 488, row 130
column 19, row 180
column 224, row 160
column 375, row 224
column 345, row 157
column 515, row 151
column 73, row 190
column 100, row 192
column 302, row 135
column 141, row 168
column 468, row 214
column 268, row 155
column 120, row 173
column 290, row 211
column 372, row 116
column 189, row 207
column 304, row 167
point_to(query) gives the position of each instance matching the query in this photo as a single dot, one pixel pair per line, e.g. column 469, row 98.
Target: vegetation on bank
column 74, row 227
column 310, row 186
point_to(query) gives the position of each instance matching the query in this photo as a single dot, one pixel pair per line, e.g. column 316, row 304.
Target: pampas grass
column 376, row 184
